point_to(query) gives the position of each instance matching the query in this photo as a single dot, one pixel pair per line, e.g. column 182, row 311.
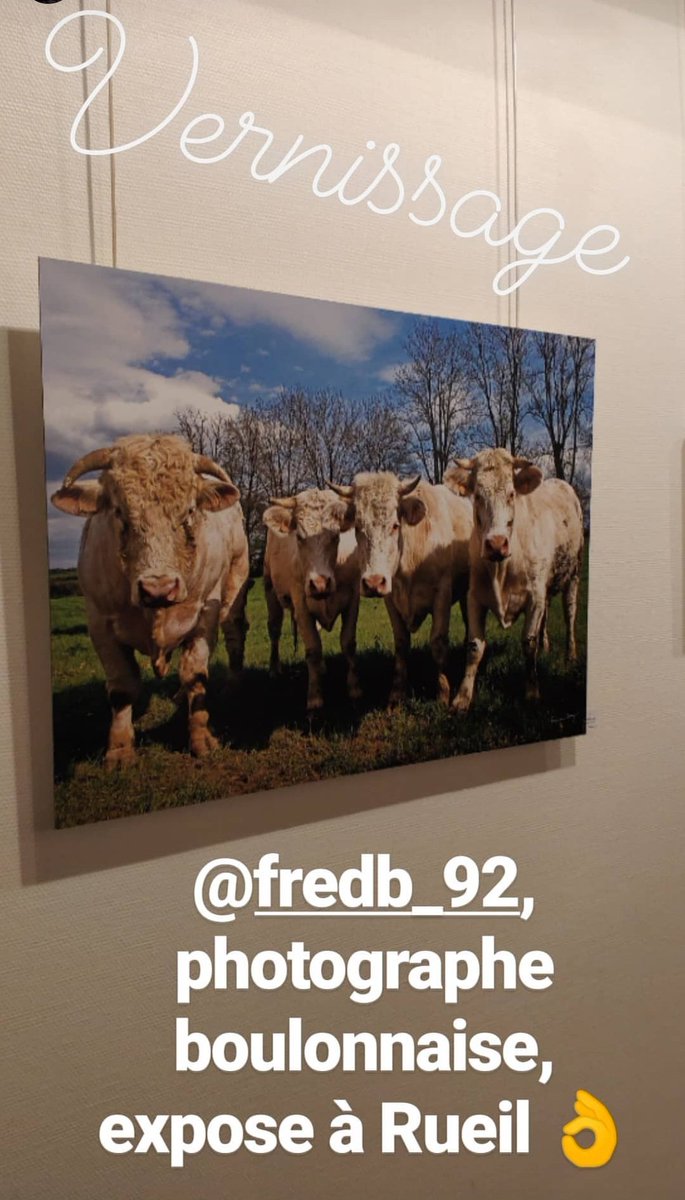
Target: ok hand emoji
column 592, row 1115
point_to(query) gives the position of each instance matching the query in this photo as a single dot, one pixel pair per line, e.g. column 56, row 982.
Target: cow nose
column 159, row 589
column 497, row 546
column 320, row 585
column 375, row 585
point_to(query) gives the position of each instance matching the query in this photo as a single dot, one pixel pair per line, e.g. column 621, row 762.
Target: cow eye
column 395, row 526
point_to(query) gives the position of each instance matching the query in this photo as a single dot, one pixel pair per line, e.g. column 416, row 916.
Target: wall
column 92, row 917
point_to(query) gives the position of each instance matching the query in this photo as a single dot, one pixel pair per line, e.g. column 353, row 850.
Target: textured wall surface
column 91, row 917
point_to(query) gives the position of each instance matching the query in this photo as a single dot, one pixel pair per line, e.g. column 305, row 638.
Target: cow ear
column 412, row 510
column 527, row 479
column 279, row 520
column 344, row 514
column 459, row 479
column 79, row 499
column 215, row 495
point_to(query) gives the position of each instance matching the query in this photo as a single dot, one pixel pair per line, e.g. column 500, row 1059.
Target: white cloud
column 344, row 331
column 387, row 374
column 255, row 388
column 99, row 329
column 103, row 332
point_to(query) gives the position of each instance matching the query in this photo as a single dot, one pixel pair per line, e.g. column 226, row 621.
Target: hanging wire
column 511, row 109
column 89, row 163
column 112, row 157
column 514, row 156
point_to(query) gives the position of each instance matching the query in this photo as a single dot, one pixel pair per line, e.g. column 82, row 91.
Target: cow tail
column 293, row 629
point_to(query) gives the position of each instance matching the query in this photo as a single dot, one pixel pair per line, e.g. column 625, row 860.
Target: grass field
column 266, row 739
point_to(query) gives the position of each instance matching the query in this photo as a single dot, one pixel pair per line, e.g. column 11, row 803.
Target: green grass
column 266, row 739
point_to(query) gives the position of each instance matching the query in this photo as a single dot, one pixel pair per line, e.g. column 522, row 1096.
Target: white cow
column 527, row 545
column 413, row 542
column 311, row 567
column 163, row 565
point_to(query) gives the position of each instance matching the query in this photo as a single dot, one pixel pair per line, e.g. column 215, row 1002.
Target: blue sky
column 122, row 351
column 261, row 358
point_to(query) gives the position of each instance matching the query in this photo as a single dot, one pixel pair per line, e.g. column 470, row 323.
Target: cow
column 527, row 545
column 311, row 567
column 413, row 540
column 163, row 564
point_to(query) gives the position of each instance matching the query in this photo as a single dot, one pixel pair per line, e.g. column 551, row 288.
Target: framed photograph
column 293, row 539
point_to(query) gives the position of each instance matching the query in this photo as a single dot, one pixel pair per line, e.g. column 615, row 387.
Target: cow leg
column 274, row 610
column 234, row 622
column 193, row 672
column 402, row 636
column 123, row 686
column 442, row 608
column 235, row 633
column 532, row 633
column 348, row 645
column 475, row 649
column 122, row 694
column 463, row 608
column 313, row 654
column 544, row 633
column 570, row 601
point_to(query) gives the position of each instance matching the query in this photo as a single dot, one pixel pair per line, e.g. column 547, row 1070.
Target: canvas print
column 293, row 539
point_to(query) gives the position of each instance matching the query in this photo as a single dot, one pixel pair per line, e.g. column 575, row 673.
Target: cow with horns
column 311, row 567
column 163, row 564
column 413, row 540
column 527, row 545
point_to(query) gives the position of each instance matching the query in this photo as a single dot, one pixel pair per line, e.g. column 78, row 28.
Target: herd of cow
column 164, row 564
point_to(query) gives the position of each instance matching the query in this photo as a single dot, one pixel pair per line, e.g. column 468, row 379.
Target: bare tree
column 561, row 398
column 582, row 356
column 381, row 438
column 282, row 458
column 330, row 434
column 242, row 458
column 205, row 433
column 434, row 388
column 498, row 365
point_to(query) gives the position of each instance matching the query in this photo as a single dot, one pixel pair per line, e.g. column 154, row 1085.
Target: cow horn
column 207, row 466
column 409, row 485
column 283, row 501
column 343, row 489
column 95, row 460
